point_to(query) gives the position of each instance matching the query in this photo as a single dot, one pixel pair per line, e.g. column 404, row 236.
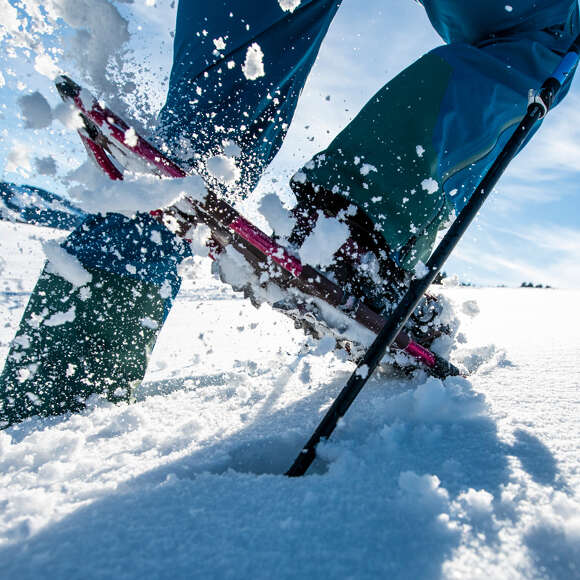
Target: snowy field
column 462, row 479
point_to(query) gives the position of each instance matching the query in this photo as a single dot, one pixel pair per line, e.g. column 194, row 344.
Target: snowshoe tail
column 113, row 136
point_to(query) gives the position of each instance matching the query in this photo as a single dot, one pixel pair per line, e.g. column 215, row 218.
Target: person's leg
column 93, row 317
column 417, row 149
column 74, row 340
column 215, row 97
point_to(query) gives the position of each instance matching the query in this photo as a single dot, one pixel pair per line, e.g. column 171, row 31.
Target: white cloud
column 543, row 254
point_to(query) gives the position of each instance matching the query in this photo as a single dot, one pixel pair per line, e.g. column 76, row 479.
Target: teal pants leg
column 416, row 151
column 92, row 333
column 211, row 100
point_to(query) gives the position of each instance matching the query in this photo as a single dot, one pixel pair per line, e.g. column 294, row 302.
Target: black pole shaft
column 536, row 110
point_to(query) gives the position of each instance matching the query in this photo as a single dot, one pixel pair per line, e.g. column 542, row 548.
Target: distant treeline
column 442, row 275
column 532, row 285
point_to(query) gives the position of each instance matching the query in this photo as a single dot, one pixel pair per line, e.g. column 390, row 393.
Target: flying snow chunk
column 223, row 168
column 253, row 67
column 363, row 372
column 470, row 307
column 219, row 43
column 366, row 168
column 46, row 66
column 149, row 323
column 231, row 149
column 326, row 238
column 96, row 193
column 130, row 137
column 18, row 160
column 35, row 110
column 430, row 185
column 289, row 5
column 451, row 281
column 69, row 116
column 276, row 214
column 421, row 270
column 199, row 237
column 60, row 318
column 45, row 165
column 65, row 265
column 420, row 150
column 299, row 177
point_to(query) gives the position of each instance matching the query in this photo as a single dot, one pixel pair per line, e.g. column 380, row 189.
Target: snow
column 327, row 237
column 45, row 165
column 45, row 65
column 199, row 237
column 231, row 149
column 366, row 168
column 421, row 270
column 130, row 137
column 223, row 168
column 68, row 115
column 277, row 216
column 96, row 193
column 35, row 110
column 219, row 43
column 59, row 318
column 65, row 265
column 430, row 185
column 18, row 160
column 253, row 67
column 464, row 478
column 289, row 5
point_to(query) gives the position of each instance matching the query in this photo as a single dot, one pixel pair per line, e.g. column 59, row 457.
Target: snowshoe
column 246, row 257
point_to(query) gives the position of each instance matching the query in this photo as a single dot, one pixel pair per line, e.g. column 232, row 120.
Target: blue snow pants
column 239, row 67
column 493, row 55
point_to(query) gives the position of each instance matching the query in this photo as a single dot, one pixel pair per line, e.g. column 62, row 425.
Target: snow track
column 423, row 479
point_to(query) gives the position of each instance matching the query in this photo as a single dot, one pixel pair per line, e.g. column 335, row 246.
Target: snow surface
column 467, row 478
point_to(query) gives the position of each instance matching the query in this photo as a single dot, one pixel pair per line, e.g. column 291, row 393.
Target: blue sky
column 529, row 229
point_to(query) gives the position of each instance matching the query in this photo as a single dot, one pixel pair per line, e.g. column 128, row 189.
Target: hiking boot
column 363, row 265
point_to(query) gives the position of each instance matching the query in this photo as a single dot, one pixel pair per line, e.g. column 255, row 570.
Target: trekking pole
column 539, row 103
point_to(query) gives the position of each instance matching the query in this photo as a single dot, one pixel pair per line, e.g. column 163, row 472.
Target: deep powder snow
column 458, row 479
